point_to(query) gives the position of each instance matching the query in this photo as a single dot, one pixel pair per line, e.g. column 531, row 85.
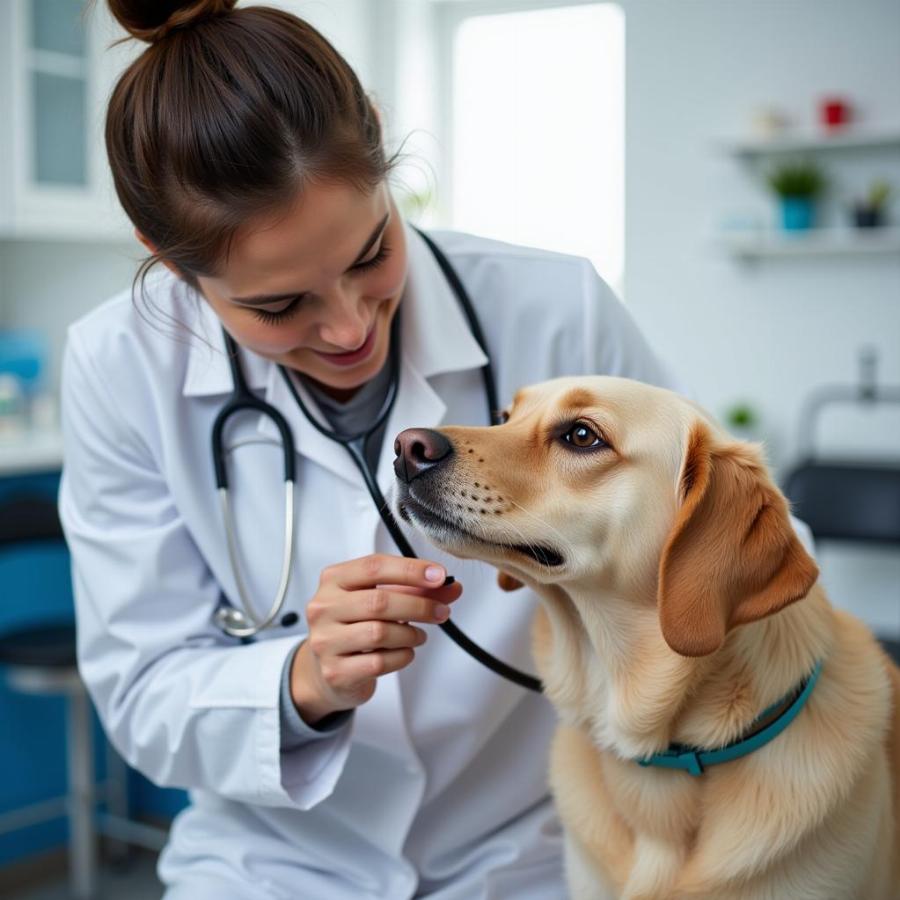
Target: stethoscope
column 241, row 623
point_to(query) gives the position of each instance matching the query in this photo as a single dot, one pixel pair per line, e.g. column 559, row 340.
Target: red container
column 834, row 112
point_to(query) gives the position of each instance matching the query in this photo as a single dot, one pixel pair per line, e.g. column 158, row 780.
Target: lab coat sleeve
column 294, row 731
column 615, row 346
column 183, row 703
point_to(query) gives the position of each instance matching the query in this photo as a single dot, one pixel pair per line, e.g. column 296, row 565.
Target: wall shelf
column 811, row 142
column 819, row 242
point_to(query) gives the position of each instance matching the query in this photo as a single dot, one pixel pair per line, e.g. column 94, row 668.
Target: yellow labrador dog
column 680, row 615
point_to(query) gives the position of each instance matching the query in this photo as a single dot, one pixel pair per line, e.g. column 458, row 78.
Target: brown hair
column 227, row 115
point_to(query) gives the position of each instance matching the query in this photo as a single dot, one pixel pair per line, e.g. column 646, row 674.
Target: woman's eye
column 383, row 253
column 283, row 314
column 583, row 437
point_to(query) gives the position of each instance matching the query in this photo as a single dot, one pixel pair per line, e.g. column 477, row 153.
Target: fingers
column 382, row 604
column 359, row 629
column 379, row 568
column 355, row 674
column 441, row 595
column 363, row 637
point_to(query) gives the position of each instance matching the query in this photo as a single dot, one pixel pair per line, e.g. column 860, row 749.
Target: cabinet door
column 61, row 81
column 57, row 72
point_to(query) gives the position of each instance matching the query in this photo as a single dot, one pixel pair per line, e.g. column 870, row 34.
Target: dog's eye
column 504, row 416
column 583, row 437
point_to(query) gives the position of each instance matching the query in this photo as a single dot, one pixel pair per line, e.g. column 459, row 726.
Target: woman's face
column 316, row 287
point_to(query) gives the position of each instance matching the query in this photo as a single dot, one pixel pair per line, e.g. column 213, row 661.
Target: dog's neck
column 609, row 671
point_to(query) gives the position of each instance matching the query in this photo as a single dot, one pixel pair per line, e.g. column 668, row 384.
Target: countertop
column 35, row 451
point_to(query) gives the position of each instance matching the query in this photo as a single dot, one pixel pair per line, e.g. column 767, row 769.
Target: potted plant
column 743, row 421
column 870, row 211
column 798, row 184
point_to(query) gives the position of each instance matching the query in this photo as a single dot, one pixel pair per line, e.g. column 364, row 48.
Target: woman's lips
column 354, row 356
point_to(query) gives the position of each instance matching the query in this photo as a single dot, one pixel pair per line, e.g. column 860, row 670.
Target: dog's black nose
column 418, row 450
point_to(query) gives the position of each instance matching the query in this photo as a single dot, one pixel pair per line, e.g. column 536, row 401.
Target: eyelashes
column 273, row 318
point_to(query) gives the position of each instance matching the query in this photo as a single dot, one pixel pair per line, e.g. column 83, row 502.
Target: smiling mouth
column 360, row 351
column 539, row 553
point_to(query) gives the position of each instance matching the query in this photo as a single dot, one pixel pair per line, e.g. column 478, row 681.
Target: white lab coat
column 437, row 786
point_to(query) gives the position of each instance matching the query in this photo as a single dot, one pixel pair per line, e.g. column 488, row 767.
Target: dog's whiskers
column 504, row 540
column 540, row 521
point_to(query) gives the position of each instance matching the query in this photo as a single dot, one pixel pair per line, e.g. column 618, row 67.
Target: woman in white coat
column 339, row 754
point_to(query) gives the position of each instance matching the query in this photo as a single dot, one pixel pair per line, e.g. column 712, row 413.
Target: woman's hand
column 358, row 629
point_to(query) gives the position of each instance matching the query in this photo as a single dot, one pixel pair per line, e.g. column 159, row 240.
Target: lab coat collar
column 435, row 339
column 436, row 335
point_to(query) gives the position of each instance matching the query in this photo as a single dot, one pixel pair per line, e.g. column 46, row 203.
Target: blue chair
column 41, row 660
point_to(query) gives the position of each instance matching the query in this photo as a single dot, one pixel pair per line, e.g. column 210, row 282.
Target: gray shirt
column 358, row 413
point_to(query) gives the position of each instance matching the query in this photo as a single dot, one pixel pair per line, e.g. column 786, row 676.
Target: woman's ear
column 151, row 247
column 507, row 582
column 732, row 556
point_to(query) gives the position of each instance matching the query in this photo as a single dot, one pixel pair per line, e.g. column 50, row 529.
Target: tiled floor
column 137, row 882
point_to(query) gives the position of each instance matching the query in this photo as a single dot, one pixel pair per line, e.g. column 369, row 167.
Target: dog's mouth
column 444, row 530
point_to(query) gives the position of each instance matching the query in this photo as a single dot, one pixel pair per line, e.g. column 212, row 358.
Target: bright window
column 537, row 147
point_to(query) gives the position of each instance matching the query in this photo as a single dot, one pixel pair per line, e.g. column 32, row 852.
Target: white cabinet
column 56, row 74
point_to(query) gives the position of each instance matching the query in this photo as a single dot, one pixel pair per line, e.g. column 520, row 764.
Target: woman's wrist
column 309, row 702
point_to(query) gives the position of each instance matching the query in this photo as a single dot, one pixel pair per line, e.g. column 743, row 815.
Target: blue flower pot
column 796, row 213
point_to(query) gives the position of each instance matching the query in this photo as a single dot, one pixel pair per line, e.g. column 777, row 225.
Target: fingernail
column 441, row 612
column 448, row 581
column 434, row 573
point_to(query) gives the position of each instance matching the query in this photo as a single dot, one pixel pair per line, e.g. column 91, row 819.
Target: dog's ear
column 507, row 582
column 732, row 556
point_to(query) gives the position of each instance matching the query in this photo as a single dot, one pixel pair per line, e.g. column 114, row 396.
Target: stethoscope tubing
column 245, row 625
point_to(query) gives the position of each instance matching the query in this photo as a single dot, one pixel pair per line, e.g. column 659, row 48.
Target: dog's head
column 611, row 485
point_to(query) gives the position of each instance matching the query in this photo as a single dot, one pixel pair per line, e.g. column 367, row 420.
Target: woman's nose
column 346, row 324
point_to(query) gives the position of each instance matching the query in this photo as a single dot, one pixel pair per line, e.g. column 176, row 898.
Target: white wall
column 696, row 70
column 48, row 284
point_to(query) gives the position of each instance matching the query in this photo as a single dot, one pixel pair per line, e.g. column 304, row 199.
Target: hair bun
column 152, row 20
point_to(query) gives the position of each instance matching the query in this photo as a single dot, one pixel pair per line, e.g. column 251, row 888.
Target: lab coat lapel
column 208, row 371
column 308, row 440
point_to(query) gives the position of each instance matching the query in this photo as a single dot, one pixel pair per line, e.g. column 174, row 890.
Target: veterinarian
column 334, row 753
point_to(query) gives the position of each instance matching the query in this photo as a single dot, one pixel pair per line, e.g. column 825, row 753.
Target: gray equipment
column 845, row 499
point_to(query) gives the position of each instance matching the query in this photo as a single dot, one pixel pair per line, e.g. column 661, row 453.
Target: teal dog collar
column 695, row 761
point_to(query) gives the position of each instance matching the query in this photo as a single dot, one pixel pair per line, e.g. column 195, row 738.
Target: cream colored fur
column 683, row 608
